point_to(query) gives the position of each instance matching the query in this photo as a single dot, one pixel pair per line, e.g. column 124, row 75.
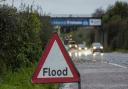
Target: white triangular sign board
column 55, row 64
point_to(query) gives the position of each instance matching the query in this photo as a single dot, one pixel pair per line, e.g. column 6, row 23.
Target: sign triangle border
column 76, row 75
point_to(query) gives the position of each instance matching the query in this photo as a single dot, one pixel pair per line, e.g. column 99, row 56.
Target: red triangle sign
column 55, row 65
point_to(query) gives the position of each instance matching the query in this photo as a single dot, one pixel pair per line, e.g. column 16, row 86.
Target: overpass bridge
column 75, row 21
column 68, row 22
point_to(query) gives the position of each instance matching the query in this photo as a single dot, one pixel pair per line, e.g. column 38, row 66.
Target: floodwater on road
column 117, row 58
column 104, row 69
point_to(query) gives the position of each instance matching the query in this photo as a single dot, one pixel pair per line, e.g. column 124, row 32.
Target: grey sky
column 84, row 7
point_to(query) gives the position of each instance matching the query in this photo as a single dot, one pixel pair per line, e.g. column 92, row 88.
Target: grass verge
column 22, row 80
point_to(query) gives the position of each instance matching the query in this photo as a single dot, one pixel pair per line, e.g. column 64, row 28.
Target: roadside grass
column 22, row 80
column 122, row 50
column 116, row 50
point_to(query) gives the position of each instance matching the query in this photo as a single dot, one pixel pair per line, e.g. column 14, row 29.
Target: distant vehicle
column 82, row 50
column 97, row 47
column 72, row 48
column 72, row 44
column 82, row 47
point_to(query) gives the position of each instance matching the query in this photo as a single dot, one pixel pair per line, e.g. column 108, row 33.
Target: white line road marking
column 118, row 65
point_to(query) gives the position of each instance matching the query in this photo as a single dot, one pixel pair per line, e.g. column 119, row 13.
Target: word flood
column 50, row 72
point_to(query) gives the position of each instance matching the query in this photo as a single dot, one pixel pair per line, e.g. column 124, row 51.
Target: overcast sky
column 82, row 7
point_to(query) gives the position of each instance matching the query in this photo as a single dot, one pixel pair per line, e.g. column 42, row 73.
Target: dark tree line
column 23, row 35
column 115, row 24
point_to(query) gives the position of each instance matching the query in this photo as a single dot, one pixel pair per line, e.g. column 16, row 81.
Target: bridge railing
column 70, row 15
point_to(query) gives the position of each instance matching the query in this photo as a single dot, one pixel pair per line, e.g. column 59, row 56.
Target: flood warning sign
column 55, row 64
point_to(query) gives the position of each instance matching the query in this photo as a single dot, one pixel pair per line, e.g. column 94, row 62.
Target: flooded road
column 101, row 71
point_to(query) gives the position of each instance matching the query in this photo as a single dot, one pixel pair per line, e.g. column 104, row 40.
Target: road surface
column 102, row 71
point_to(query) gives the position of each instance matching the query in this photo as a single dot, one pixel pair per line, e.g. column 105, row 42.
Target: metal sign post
column 79, row 85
